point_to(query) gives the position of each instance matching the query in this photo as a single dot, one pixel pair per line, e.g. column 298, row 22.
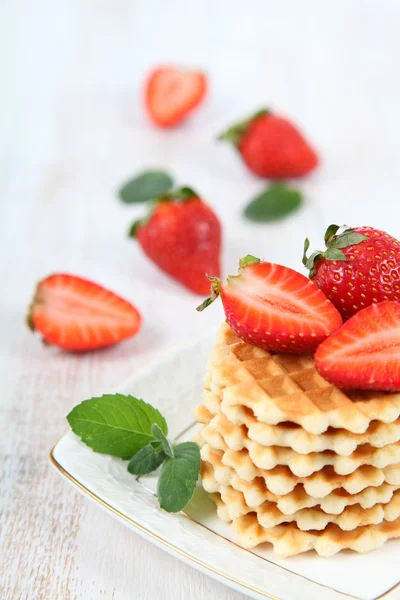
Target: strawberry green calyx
column 134, row 227
column 335, row 243
column 248, row 260
column 235, row 133
column 244, row 262
column 183, row 193
column 37, row 300
column 180, row 195
column 215, row 292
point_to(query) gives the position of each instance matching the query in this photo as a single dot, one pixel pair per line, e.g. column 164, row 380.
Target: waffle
column 290, row 435
column 288, row 540
column 256, row 493
column 278, row 388
column 268, row 514
column 281, row 481
column 221, row 434
column 292, row 460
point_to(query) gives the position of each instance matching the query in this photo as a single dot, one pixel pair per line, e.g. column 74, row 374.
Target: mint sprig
column 178, row 477
column 129, row 428
column 147, row 460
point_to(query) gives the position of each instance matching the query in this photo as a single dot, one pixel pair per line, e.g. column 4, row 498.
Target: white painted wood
column 71, row 129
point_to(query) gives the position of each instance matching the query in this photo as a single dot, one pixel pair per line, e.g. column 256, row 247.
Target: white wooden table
column 71, row 130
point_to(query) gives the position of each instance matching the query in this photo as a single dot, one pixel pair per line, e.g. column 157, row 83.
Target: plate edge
column 54, row 462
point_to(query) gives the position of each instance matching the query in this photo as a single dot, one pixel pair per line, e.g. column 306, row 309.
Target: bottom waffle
column 288, row 539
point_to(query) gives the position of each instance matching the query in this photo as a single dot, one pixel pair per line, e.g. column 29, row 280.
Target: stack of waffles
column 290, row 459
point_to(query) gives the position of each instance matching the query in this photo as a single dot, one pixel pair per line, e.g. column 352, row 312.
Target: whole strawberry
column 182, row 235
column 272, row 147
column 359, row 267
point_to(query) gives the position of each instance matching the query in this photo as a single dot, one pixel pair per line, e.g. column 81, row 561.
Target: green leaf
column 147, row 460
column 178, row 477
column 275, row 203
column 146, row 186
column 115, row 424
column 348, row 238
column 160, row 437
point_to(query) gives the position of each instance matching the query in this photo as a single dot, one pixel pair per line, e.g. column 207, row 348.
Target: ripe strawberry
column 182, row 236
column 272, row 147
column 274, row 307
column 77, row 314
column 171, row 93
column 360, row 266
column 365, row 352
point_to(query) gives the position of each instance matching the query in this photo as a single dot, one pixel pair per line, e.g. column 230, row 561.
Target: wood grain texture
column 72, row 131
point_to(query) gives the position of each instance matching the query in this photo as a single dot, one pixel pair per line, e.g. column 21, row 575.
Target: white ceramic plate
column 174, row 384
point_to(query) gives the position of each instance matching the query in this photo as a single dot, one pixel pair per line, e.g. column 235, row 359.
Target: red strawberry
column 182, row 236
column 172, row 93
column 361, row 266
column 275, row 308
column 78, row 315
column 272, row 147
column 365, row 352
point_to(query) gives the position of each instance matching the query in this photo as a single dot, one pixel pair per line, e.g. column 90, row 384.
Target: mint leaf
column 147, row 460
column 275, row 203
column 158, row 435
column 178, row 477
column 115, row 424
column 146, row 186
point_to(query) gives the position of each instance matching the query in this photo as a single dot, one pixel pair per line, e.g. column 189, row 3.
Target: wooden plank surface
column 72, row 129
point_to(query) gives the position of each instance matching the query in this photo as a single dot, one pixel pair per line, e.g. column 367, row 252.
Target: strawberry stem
column 215, row 292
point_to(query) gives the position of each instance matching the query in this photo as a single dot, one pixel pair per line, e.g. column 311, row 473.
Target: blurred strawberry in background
column 271, row 146
column 172, row 93
column 79, row 315
column 182, row 235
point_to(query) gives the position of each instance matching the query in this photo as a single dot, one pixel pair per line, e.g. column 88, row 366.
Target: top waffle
column 280, row 388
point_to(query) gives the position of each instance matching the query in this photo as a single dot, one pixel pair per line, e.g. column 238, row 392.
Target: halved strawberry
column 172, row 93
column 275, row 308
column 77, row 314
column 365, row 352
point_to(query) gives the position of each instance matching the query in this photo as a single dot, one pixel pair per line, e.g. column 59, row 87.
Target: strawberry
column 271, row 146
column 78, row 315
column 182, row 235
column 359, row 267
column 365, row 352
column 274, row 307
column 171, row 93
